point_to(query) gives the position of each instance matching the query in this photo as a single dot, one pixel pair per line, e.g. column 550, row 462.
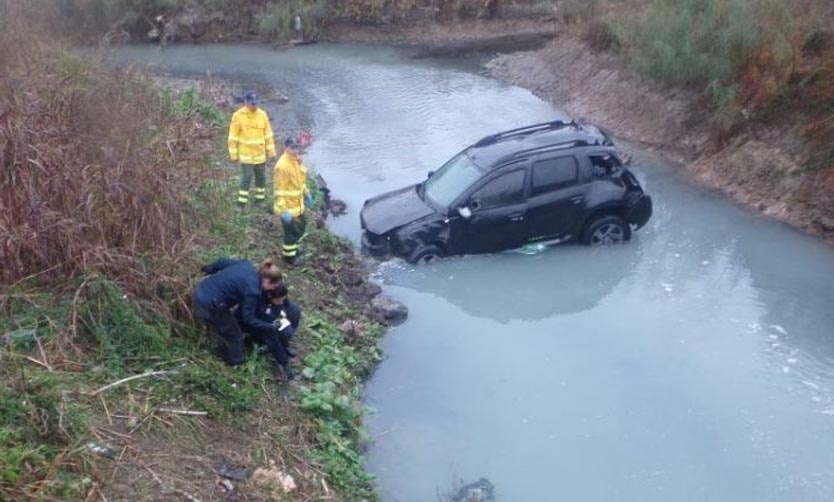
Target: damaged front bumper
column 375, row 245
column 640, row 210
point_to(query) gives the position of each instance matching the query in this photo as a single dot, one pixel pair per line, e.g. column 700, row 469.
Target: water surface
column 693, row 364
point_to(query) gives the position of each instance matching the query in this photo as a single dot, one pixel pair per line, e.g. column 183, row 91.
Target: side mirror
column 465, row 212
column 431, row 173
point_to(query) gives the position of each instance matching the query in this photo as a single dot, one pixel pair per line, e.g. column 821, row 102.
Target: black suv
column 541, row 184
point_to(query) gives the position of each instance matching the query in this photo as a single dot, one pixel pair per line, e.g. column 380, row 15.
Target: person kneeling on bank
column 280, row 312
column 231, row 283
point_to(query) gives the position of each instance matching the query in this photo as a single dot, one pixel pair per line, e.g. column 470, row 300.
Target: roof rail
column 553, row 147
column 556, row 124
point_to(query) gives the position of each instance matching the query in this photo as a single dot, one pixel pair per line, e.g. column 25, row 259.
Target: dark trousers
column 277, row 345
column 247, row 171
column 293, row 232
column 227, row 328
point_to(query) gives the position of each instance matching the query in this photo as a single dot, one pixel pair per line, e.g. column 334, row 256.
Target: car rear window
column 553, row 174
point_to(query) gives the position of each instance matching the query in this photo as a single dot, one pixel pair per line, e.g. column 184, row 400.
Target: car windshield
column 451, row 180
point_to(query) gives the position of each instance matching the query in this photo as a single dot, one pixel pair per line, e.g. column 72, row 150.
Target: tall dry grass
column 98, row 169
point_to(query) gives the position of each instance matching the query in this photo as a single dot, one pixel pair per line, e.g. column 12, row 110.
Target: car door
column 557, row 198
column 498, row 208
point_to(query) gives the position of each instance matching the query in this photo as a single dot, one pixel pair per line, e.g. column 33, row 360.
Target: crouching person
column 233, row 283
column 284, row 315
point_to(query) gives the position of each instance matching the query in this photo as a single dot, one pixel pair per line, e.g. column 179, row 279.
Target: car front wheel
column 425, row 254
column 606, row 230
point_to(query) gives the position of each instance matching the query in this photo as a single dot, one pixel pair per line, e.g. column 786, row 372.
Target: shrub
column 694, row 42
column 96, row 167
column 578, row 11
column 602, row 35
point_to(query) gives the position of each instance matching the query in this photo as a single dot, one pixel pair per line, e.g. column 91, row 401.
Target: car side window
column 604, row 164
column 505, row 190
column 553, row 174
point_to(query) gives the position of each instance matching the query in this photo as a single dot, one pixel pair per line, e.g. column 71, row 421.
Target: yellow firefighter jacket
column 290, row 177
column 250, row 137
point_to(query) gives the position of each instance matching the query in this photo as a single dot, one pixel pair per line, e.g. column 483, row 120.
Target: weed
column 277, row 19
column 333, row 369
column 695, row 42
column 107, row 212
column 578, row 11
column 122, row 338
column 602, row 35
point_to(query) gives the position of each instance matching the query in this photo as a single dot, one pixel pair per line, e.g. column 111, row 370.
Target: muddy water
column 695, row 363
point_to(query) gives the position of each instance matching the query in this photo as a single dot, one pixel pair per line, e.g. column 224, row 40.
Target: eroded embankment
column 763, row 165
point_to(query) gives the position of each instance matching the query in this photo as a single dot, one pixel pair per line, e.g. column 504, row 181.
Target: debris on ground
column 338, row 207
column 236, row 473
column 273, row 479
column 352, row 329
column 226, row 485
column 389, row 309
column 479, row 491
column 102, row 450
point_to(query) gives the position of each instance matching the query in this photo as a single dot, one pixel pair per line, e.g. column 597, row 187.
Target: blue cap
column 250, row 97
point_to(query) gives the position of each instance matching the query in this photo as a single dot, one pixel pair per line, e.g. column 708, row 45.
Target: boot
column 288, row 372
column 294, row 261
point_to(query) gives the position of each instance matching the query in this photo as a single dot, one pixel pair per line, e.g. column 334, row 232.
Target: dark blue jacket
column 232, row 282
column 265, row 311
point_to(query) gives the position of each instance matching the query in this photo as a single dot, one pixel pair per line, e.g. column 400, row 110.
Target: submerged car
column 541, row 184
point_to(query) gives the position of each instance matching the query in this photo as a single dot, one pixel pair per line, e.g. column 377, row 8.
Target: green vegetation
column 699, row 42
column 61, row 347
column 118, row 20
column 333, row 398
column 277, row 19
column 113, row 194
column 751, row 59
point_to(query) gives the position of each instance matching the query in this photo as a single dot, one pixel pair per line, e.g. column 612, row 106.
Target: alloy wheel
column 609, row 233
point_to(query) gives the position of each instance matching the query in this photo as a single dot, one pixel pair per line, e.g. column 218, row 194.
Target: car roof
column 498, row 149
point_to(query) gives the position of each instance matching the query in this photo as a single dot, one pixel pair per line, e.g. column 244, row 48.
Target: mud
column 454, row 39
column 761, row 165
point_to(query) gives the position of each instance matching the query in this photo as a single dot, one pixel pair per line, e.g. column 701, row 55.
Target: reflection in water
column 501, row 287
column 695, row 363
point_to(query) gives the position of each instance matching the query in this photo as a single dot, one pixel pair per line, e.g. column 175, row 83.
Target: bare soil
column 438, row 35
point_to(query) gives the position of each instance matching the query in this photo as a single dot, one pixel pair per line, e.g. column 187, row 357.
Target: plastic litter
column 102, row 450
column 532, row 248
column 235, row 473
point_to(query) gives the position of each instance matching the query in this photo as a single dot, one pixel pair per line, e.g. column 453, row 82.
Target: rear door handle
column 516, row 217
column 579, row 199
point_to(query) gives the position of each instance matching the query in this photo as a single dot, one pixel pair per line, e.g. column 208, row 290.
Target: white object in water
column 778, row 328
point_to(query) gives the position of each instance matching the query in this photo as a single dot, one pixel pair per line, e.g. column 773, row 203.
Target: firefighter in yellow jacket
column 250, row 142
column 291, row 199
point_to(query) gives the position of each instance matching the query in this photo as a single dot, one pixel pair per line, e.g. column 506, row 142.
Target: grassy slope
column 753, row 60
column 50, row 413
column 105, row 222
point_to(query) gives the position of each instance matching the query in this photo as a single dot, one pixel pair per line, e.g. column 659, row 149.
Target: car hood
column 393, row 209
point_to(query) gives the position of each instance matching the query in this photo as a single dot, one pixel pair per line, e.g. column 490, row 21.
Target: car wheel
column 606, row 230
column 425, row 254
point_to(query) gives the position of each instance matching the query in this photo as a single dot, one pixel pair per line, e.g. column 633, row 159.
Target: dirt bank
column 761, row 165
column 454, row 39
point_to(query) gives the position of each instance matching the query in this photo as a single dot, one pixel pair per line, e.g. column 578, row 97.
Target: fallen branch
column 128, row 379
column 184, row 412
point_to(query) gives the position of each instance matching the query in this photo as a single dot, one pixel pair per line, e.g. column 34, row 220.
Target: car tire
column 425, row 255
column 606, row 230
